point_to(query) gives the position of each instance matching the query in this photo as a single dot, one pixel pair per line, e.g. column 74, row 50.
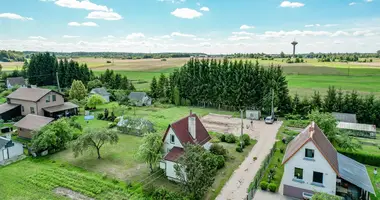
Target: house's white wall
column 207, row 146
column 168, row 145
column 319, row 165
column 1, row 154
column 170, row 170
column 16, row 150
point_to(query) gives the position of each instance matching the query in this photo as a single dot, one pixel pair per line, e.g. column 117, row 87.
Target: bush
column 282, row 150
column 100, row 116
column 230, row 138
column 218, row 149
column 272, row 187
column 246, row 139
column 220, row 161
column 108, row 61
column 239, row 149
column 112, row 125
column 264, row 185
column 5, row 93
column 148, row 190
column 364, row 158
column 222, row 137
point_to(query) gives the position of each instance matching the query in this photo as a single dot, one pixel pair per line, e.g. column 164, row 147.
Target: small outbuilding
column 102, row 92
column 9, row 111
column 140, row 98
column 253, row 114
column 345, row 117
column 31, row 123
column 15, row 81
column 358, row 130
column 9, row 150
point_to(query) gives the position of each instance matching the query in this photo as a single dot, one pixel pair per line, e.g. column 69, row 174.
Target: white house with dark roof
column 102, row 92
column 312, row 164
column 186, row 130
column 15, row 81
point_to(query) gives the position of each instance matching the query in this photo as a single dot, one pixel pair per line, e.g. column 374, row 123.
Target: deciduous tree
column 78, row 90
column 95, row 100
column 150, row 149
column 94, row 139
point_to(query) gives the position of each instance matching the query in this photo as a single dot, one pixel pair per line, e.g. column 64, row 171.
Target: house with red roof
column 188, row 130
column 312, row 164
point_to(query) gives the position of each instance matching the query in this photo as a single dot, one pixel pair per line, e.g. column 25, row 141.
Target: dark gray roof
column 345, row 117
column 100, row 91
column 355, row 173
column 4, row 142
column 62, row 107
column 5, row 107
column 16, row 81
column 137, row 95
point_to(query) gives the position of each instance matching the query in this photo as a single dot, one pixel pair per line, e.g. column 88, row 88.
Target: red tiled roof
column 313, row 133
column 174, row 154
column 181, row 129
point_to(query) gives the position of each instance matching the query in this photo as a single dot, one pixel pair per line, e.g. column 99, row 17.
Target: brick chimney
column 192, row 125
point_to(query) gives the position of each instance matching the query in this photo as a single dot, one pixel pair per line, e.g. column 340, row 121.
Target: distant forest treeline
column 120, row 55
column 333, row 56
column 11, row 56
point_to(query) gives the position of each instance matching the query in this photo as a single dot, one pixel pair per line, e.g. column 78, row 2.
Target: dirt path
column 236, row 187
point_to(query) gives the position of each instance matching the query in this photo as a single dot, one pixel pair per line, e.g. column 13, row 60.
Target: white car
column 269, row 120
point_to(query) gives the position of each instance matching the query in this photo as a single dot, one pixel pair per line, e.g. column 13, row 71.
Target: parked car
column 269, row 120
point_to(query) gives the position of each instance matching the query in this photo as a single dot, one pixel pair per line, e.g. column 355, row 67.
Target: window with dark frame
column 47, row 99
column 172, row 139
column 54, row 97
column 298, row 173
column 309, row 153
column 32, row 110
column 22, row 108
column 318, row 177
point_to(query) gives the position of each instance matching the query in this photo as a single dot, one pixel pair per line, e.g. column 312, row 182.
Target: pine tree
column 154, row 88
column 161, row 86
column 330, row 99
column 316, row 101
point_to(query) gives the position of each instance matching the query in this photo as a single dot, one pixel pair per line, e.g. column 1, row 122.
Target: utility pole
column 272, row 102
column 59, row 87
column 242, row 127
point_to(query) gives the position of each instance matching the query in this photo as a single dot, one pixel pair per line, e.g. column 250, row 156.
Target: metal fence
column 260, row 173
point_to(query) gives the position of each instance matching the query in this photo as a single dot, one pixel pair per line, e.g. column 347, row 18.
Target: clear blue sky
column 211, row 26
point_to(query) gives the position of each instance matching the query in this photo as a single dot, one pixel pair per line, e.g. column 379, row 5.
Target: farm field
column 303, row 78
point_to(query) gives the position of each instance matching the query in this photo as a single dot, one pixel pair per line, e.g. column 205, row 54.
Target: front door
column 5, row 154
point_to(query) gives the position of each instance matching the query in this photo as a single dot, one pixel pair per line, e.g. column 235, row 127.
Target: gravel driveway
column 236, row 187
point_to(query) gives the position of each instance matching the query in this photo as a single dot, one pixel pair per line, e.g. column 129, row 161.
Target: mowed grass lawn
column 375, row 181
column 32, row 179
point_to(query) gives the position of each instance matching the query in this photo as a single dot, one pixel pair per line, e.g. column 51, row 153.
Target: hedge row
column 364, row 158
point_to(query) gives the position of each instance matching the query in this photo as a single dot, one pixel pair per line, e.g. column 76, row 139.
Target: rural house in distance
column 186, row 130
column 313, row 165
column 31, row 123
column 102, row 92
column 15, row 81
column 140, row 98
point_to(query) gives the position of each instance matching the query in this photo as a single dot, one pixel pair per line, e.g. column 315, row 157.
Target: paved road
column 236, row 187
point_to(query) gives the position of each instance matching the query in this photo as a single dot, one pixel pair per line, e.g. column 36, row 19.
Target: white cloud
column 338, row 42
column 198, row 4
column 331, row 25
column 46, row 0
column 245, row 27
column 37, row 38
column 277, row 34
column 201, row 39
column 238, row 38
column 317, row 25
column 288, row 4
column 206, row 9
column 309, row 25
column 243, row 33
column 352, row 3
column 14, row 16
column 109, row 37
column 70, row 36
column 172, row 1
column 85, row 4
column 363, row 33
column 135, row 36
column 93, row 24
column 340, row 33
column 106, row 15
column 179, row 34
column 186, row 13
column 368, row 1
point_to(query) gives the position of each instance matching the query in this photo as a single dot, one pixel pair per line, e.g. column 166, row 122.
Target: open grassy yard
column 375, row 182
column 37, row 178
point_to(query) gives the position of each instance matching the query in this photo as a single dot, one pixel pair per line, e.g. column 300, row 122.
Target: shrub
column 230, row 138
column 100, row 116
column 272, row 187
column 246, row 139
column 148, row 189
column 282, row 150
column 222, row 137
column 108, row 61
column 218, row 149
column 264, row 185
column 364, row 158
column 220, row 161
column 5, row 93
column 112, row 125
column 239, row 149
